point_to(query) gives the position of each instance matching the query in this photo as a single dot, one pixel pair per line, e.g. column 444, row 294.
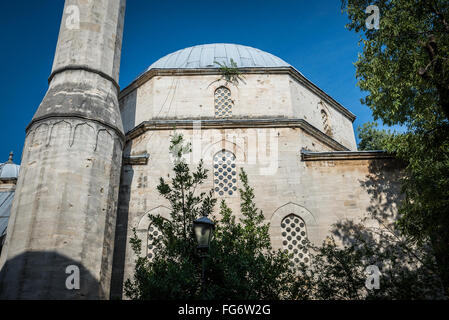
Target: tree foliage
column 424, row 212
column 404, row 68
column 371, row 138
column 338, row 269
column 404, row 64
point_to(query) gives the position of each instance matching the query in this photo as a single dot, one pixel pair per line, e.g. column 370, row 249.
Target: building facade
column 93, row 156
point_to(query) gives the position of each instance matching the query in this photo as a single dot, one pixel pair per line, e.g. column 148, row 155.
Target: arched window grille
column 154, row 234
column 223, row 103
column 325, row 120
column 294, row 239
column 225, row 173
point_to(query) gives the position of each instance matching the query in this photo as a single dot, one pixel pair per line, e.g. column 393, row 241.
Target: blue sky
column 310, row 35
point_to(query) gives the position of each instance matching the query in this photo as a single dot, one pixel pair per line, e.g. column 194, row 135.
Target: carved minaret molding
column 64, row 212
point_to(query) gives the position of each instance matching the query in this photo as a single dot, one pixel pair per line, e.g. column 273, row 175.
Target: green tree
column 241, row 263
column 404, row 68
column 404, row 64
column 371, row 138
column 424, row 212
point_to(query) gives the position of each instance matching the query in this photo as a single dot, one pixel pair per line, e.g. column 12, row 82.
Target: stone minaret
column 64, row 210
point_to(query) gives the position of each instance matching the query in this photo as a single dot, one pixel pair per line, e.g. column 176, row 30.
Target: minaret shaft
column 64, row 211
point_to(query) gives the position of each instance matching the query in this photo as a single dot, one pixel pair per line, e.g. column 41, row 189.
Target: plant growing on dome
column 230, row 74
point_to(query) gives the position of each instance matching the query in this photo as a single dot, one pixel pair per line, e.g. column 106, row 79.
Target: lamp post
column 203, row 229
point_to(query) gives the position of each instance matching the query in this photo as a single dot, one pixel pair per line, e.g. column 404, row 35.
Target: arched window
column 223, row 103
column 294, row 239
column 153, row 234
column 225, row 173
column 325, row 120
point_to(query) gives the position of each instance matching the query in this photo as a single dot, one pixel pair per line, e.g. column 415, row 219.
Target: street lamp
column 203, row 229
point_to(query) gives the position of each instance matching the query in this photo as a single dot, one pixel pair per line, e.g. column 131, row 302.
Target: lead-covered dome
column 204, row 56
column 9, row 170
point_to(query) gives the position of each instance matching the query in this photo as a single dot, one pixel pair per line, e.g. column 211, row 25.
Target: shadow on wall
column 408, row 271
column 121, row 234
column 42, row 275
column 382, row 184
column 128, row 106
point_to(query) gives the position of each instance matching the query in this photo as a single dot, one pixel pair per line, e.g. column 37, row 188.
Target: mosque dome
column 204, row 56
column 9, row 170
